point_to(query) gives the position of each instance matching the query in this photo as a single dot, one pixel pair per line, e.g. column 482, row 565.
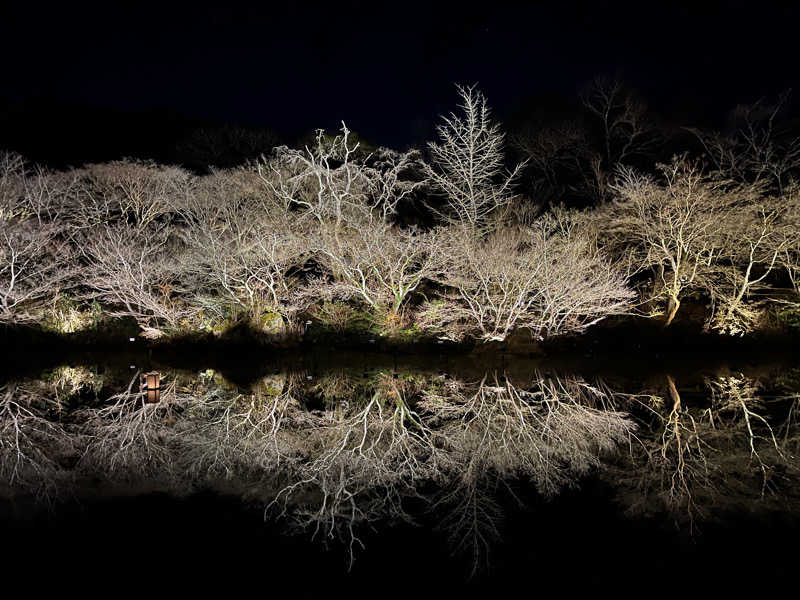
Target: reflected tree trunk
column 673, row 394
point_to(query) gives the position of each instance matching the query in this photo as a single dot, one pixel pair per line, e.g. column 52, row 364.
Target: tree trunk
column 672, row 308
column 393, row 318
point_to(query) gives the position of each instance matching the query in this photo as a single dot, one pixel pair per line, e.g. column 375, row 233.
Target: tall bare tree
column 759, row 147
column 468, row 162
column 626, row 131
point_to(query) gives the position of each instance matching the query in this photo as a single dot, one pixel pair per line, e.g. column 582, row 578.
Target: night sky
column 387, row 69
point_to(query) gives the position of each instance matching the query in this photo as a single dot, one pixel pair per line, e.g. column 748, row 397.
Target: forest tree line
column 550, row 230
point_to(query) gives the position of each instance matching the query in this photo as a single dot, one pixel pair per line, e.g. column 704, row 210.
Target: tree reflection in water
column 336, row 454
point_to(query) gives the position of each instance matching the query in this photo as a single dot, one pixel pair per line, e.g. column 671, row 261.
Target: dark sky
column 386, row 68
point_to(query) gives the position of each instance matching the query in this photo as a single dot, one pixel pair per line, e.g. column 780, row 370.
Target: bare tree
column 541, row 278
column 136, row 273
column 377, row 263
column 33, row 264
column 137, row 193
column 755, row 237
column 626, row 131
column 560, row 159
column 123, row 221
column 12, row 182
column 224, row 147
column 241, row 243
column 468, row 163
column 333, row 182
column 759, row 148
column 790, row 258
column 626, row 128
column 673, row 227
column 36, row 258
column 353, row 200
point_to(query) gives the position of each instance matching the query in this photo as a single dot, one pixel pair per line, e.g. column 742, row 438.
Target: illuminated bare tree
column 468, row 163
column 352, row 199
column 755, row 237
column 335, row 183
column 242, row 242
column 137, row 193
column 35, row 256
column 123, row 224
column 377, row 263
column 137, row 274
column 673, row 227
column 540, row 278
column 790, row 258
column 34, row 262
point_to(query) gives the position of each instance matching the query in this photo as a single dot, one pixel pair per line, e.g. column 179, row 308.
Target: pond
column 469, row 468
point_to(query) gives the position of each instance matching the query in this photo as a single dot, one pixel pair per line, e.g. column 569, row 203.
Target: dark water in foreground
column 369, row 474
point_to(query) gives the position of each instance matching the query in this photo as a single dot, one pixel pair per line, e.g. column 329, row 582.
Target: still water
column 443, row 471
